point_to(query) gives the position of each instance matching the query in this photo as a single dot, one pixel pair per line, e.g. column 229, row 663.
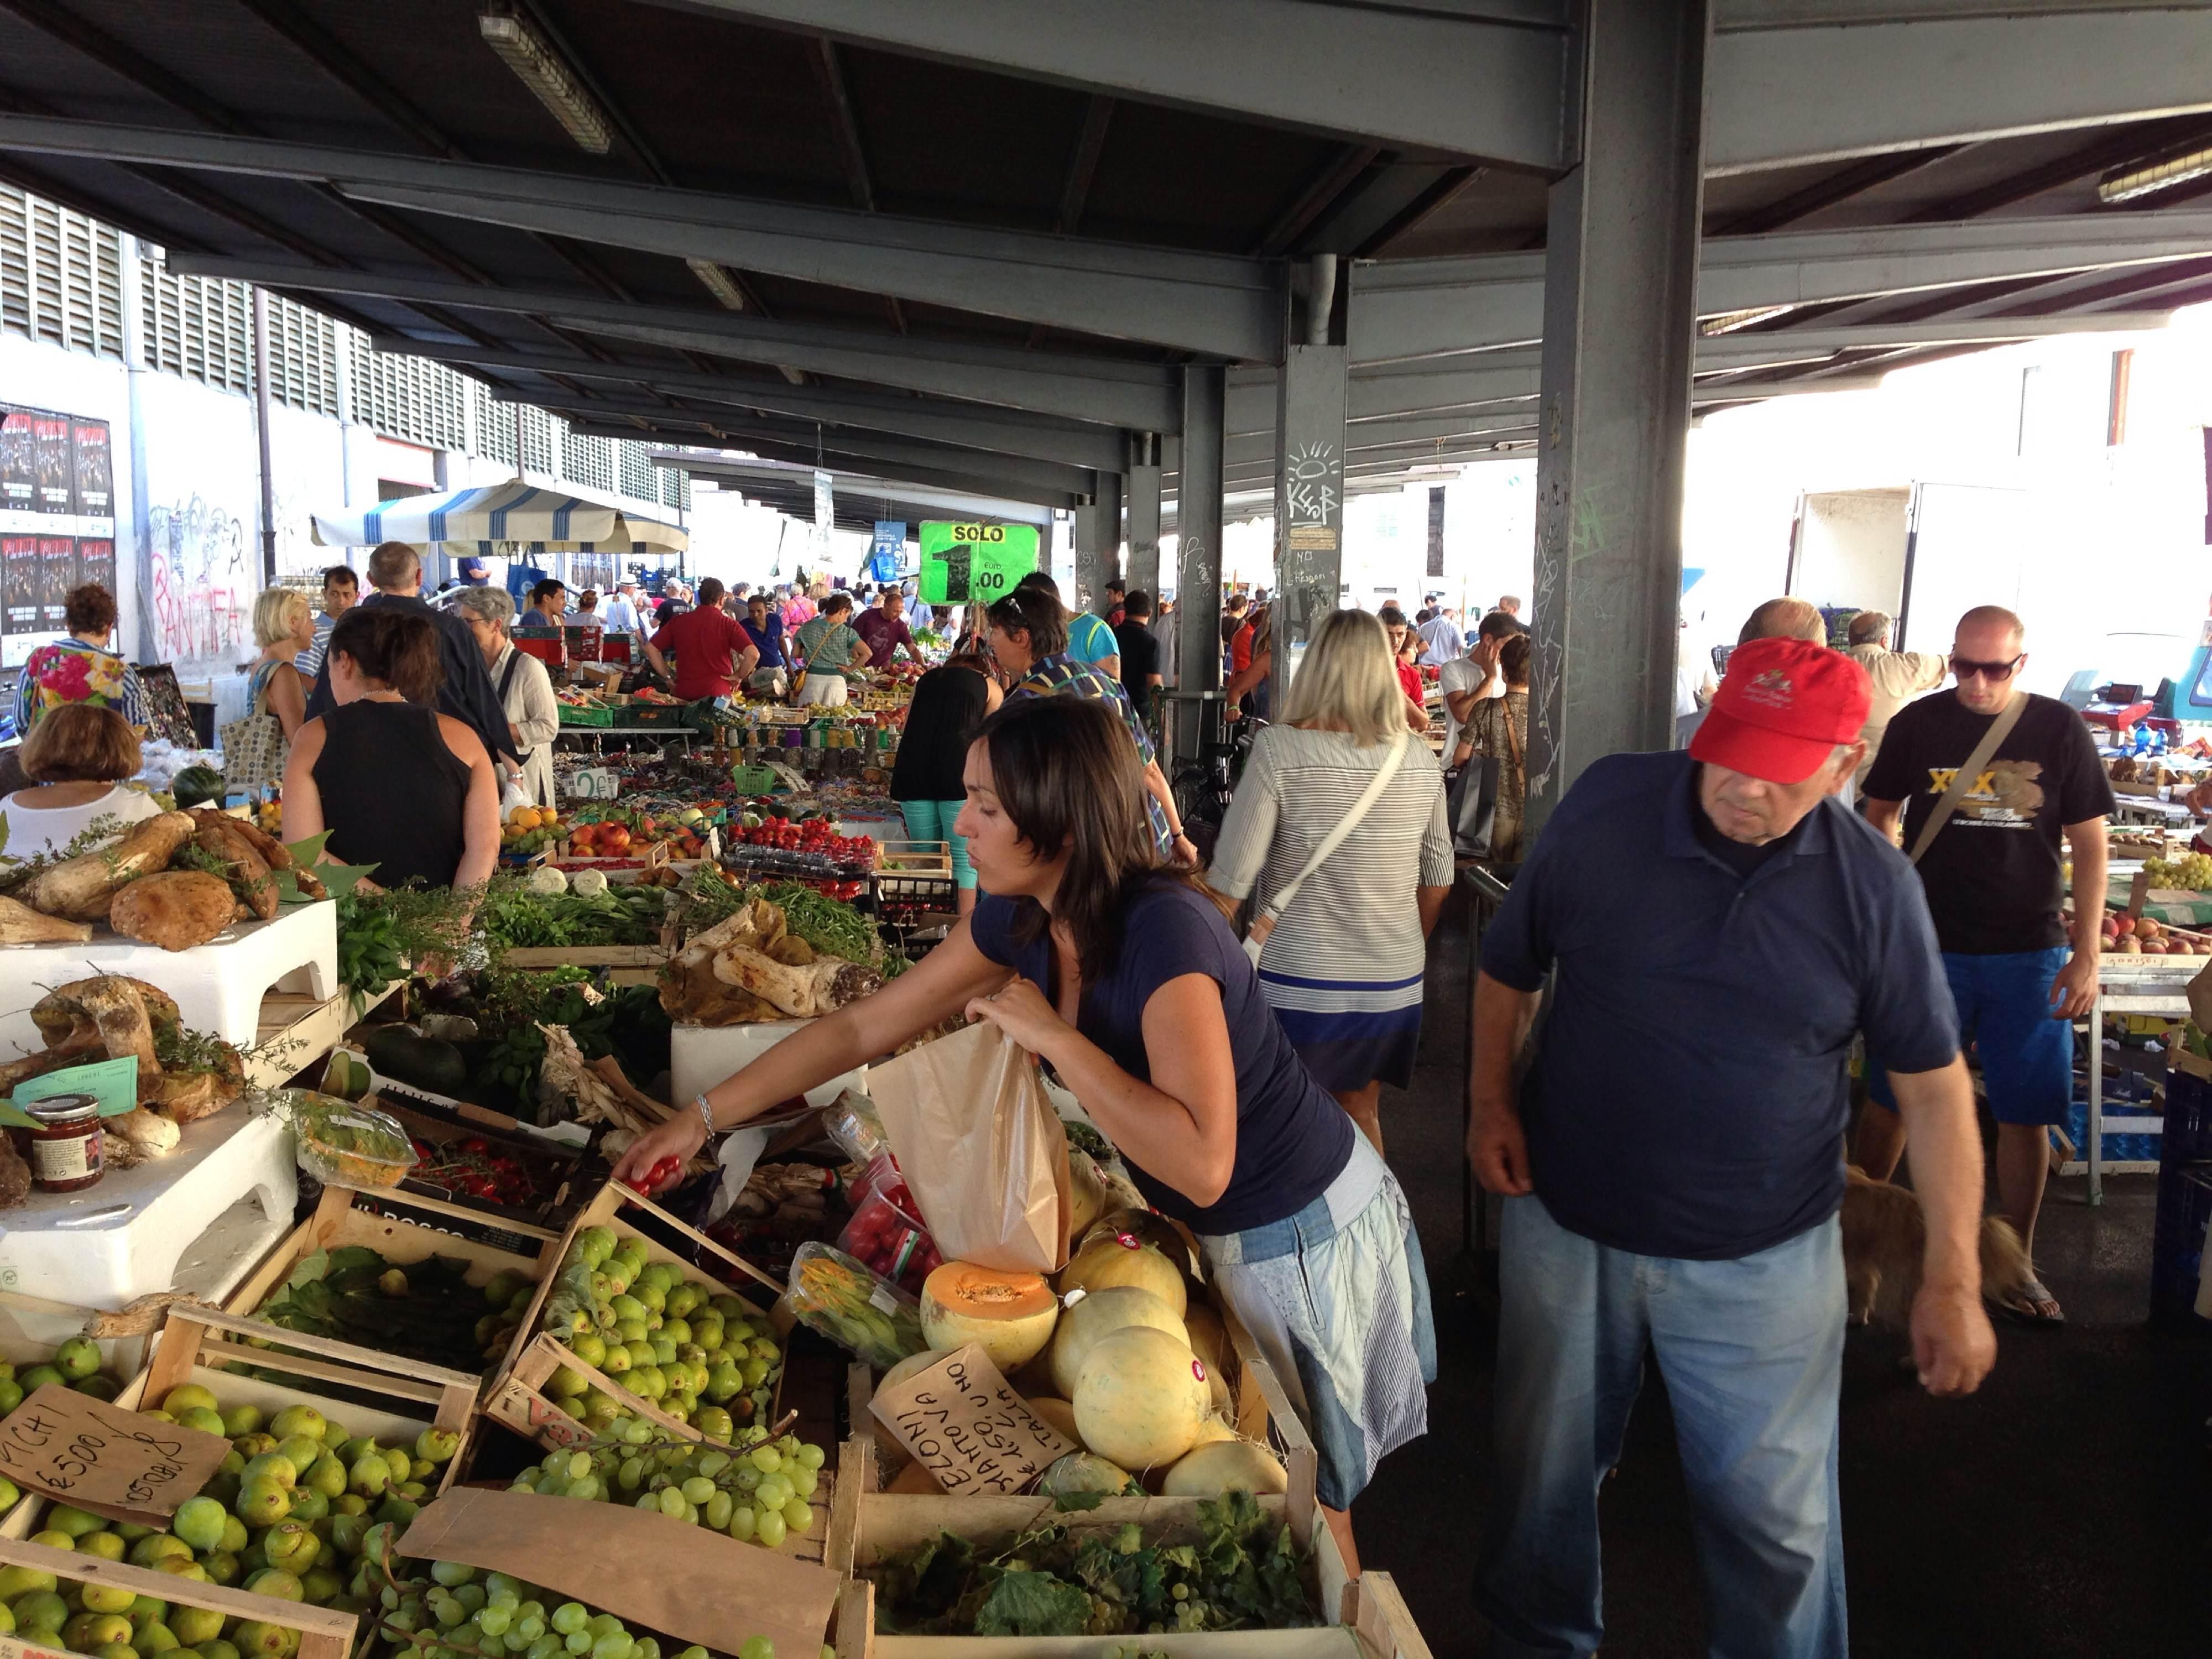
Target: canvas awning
column 510, row 518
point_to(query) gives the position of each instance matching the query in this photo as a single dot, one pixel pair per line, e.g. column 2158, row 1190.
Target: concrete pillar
column 134, row 541
column 1198, row 549
column 1621, row 273
column 1308, row 476
column 1143, row 480
column 1097, row 545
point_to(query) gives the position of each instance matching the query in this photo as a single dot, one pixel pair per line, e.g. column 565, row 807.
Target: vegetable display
column 753, row 1488
column 425, row 1310
column 517, row 916
column 75, row 1364
column 1243, row 1573
column 456, row 1610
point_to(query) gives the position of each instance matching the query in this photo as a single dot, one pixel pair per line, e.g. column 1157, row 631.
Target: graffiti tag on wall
column 200, row 582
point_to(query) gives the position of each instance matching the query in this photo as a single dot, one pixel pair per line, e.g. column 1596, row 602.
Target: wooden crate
column 588, row 955
column 404, row 1227
column 31, row 1328
column 322, row 1633
column 517, row 1398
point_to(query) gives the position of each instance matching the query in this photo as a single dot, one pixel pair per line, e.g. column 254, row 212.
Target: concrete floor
column 2061, row 1510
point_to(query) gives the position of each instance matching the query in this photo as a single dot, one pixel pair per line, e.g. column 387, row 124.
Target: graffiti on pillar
column 200, row 582
column 1313, row 485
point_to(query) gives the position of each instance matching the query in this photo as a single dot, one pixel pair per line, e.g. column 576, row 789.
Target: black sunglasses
column 1989, row 671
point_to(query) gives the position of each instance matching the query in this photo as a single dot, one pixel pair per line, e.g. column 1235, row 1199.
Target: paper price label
column 595, row 783
column 98, row 1457
column 962, row 1422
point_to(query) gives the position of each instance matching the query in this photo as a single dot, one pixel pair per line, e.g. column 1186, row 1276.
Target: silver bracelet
column 706, row 1114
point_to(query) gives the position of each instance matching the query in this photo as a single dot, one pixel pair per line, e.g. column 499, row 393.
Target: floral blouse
column 70, row 671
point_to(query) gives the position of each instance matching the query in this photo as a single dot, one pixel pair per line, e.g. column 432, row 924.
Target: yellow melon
column 1009, row 1316
column 1209, row 1340
column 1141, row 1398
column 1085, row 1472
column 1111, row 1259
column 1098, row 1314
column 1220, row 1466
column 1056, row 1414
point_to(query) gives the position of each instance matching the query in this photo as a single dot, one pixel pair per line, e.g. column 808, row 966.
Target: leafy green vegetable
column 514, row 917
column 1033, row 1604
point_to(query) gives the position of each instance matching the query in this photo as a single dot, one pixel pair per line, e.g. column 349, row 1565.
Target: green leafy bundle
column 424, row 1310
column 1243, row 1573
column 516, row 918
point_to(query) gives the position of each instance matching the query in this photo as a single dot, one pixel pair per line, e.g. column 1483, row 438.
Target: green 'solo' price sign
column 974, row 563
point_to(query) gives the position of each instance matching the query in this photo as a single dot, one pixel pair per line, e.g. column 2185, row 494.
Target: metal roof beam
column 1216, row 305
column 1428, row 307
column 1795, row 81
column 1093, row 448
column 1484, row 79
column 728, row 470
column 1103, row 390
column 830, row 457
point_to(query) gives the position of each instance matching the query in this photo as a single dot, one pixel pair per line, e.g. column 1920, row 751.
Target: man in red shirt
column 881, row 627
column 712, row 651
column 1409, row 678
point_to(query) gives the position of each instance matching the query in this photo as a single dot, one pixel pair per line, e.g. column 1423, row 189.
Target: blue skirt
column 1347, row 1051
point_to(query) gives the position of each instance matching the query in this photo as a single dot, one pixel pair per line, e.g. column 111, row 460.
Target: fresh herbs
column 1082, row 1138
column 94, row 836
column 380, row 934
column 1243, row 1573
column 514, row 917
column 425, row 1311
column 832, row 927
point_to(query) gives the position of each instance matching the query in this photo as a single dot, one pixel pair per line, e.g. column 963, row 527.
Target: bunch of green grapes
column 2190, row 874
column 459, row 1612
column 754, row 1489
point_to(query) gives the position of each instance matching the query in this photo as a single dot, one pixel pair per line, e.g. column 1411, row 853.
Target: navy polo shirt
column 1689, row 1095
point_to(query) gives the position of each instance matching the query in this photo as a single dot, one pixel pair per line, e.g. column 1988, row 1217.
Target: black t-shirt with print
column 1992, row 876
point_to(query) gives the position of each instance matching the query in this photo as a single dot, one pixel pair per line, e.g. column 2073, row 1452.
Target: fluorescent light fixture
column 540, row 66
column 2162, row 173
column 718, row 282
column 1729, row 321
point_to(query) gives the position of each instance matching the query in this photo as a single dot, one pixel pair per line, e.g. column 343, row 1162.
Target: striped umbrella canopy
column 503, row 519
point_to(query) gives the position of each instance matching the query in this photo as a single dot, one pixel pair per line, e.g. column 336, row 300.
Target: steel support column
column 1308, row 501
column 1143, row 482
column 1097, row 545
column 1619, row 306
column 1197, row 550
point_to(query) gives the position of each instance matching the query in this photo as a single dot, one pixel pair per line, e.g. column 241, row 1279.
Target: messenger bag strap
column 1345, row 825
column 1963, row 779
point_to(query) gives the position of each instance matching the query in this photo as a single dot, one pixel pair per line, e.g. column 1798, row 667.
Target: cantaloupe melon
column 1087, row 1197
column 1222, row 1466
column 889, row 1448
column 1111, row 1259
column 1085, row 1472
column 1141, row 1397
column 914, row 1480
column 1214, row 1429
column 1009, row 1316
column 1209, row 1340
column 1098, row 1314
column 1056, row 1413
column 1144, row 1225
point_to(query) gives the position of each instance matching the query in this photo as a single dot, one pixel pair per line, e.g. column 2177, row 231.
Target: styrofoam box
column 701, row 1056
column 218, row 986
column 207, row 1213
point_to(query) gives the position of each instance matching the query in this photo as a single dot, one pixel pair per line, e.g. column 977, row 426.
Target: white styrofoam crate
column 135, row 1231
column 701, row 1056
column 218, row 986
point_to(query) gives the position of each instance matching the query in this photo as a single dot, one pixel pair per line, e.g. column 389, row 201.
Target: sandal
column 2026, row 1306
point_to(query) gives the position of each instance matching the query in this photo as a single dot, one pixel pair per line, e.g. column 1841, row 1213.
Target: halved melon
column 1122, row 1258
column 1141, row 1398
column 1097, row 1314
column 1009, row 1316
column 1220, row 1466
column 1056, row 1414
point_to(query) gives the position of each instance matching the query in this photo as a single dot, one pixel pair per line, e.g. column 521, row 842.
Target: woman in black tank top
column 398, row 786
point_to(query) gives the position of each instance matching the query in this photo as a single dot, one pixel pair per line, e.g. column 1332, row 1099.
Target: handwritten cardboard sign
column 963, row 1423
column 703, row 1586
column 104, row 1459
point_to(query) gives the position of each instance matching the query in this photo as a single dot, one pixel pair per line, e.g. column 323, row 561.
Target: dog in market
column 1885, row 1234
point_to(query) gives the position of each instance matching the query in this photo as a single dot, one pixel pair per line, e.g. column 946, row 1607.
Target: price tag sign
column 962, row 1422
column 595, row 783
column 99, row 1457
column 974, row 563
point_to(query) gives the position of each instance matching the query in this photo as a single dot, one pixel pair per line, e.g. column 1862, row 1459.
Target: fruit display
column 868, row 1316
column 50, row 1611
column 812, row 846
column 884, row 1234
column 525, row 914
column 75, row 1364
column 1010, row 1315
column 1125, row 1258
column 754, row 1489
column 471, row 1166
column 1060, row 1578
column 2190, row 874
column 425, row 1311
column 453, row 1609
column 2141, row 936
column 695, row 1353
column 528, row 830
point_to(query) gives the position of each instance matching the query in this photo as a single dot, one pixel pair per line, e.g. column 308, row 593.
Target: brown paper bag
column 983, row 1154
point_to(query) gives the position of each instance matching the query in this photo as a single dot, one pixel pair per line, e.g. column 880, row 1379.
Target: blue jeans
column 1752, row 1352
column 932, row 820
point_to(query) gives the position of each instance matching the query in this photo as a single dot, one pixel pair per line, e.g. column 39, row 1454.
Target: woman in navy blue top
column 1128, row 981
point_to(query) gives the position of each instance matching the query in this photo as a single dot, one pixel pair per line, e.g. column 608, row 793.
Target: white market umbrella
column 499, row 518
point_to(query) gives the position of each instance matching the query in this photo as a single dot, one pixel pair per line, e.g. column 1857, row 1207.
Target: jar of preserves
column 65, row 1144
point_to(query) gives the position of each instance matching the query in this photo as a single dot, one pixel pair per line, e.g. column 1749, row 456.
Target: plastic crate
column 670, row 714
column 2177, row 1251
column 574, row 714
column 2120, row 1145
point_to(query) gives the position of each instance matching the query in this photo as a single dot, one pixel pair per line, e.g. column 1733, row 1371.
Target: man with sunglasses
column 1992, row 876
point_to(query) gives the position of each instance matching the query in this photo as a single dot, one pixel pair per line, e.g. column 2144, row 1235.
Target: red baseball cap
column 1782, row 710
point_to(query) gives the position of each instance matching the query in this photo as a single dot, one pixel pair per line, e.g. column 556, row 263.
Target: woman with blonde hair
column 1338, row 828
column 284, row 627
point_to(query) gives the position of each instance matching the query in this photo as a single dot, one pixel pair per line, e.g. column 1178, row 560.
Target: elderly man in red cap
column 1715, row 926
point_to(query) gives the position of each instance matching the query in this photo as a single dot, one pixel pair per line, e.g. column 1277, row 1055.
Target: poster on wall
column 19, row 584
column 95, row 560
column 19, row 463
column 974, row 563
column 57, row 575
column 92, row 469
column 56, row 472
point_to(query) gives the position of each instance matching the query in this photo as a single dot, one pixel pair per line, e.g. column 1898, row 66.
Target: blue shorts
column 2004, row 1010
column 932, row 820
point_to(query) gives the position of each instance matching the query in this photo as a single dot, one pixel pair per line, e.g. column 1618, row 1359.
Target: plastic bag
column 852, row 1305
column 342, row 1144
column 883, row 1234
column 852, row 1122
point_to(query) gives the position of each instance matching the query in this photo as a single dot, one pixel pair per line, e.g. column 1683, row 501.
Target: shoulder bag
column 254, row 749
column 1264, row 923
column 1963, row 779
column 1471, row 804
